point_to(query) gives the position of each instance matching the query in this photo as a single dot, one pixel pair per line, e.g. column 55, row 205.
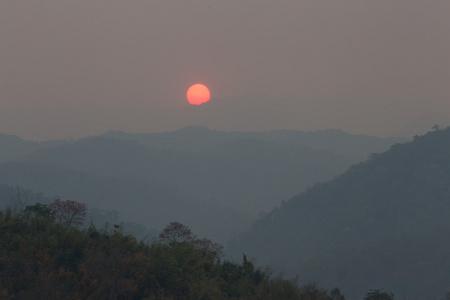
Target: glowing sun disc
column 198, row 94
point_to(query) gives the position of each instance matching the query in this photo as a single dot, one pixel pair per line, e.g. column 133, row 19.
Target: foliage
column 176, row 232
column 40, row 259
column 39, row 209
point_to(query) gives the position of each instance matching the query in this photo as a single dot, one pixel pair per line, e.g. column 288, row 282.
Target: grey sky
column 73, row 68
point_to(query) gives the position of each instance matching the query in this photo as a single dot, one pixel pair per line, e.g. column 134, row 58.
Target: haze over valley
column 197, row 176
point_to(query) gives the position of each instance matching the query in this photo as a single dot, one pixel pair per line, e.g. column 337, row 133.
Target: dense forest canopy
column 43, row 258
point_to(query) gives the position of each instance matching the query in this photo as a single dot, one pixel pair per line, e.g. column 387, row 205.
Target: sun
column 198, row 94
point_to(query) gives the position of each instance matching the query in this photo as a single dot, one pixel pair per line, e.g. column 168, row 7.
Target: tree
column 208, row 246
column 68, row 212
column 335, row 294
column 379, row 295
column 39, row 209
column 176, row 232
column 312, row 292
column 21, row 197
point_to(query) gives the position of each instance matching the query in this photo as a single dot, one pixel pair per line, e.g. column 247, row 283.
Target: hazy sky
column 70, row 68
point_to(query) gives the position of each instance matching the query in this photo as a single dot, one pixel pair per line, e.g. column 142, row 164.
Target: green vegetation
column 42, row 257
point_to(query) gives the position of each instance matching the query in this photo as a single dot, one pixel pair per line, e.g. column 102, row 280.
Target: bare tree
column 20, row 197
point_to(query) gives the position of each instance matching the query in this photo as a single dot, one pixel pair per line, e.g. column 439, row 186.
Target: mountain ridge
column 401, row 191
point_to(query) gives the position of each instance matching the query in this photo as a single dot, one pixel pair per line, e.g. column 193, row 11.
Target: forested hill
column 382, row 211
column 43, row 255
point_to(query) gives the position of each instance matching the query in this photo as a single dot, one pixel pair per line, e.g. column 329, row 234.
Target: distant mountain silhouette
column 197, row 176
column 379, row 224
column 12, row 146
column 234, row 169
column 200, row 139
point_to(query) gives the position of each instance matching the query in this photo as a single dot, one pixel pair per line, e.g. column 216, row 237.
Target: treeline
column 44, row 255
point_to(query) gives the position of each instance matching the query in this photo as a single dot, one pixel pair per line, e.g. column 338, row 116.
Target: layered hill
column 378, row 217
column 200, row 177
column 201, row 139
column 12, row 146
column 40, row 258
column 251, row 172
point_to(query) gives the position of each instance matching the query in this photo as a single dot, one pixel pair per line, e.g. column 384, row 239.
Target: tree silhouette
column 68, row 212
column 176, row 232
column 379, row 295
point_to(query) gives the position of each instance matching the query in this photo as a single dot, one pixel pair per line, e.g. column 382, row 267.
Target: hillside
column 42, row 259
column 376, row 206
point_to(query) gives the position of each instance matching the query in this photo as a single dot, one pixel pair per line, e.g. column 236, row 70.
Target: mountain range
column 197, row 176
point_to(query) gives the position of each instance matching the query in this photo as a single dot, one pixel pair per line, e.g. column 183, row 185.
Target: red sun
column 198, row 94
